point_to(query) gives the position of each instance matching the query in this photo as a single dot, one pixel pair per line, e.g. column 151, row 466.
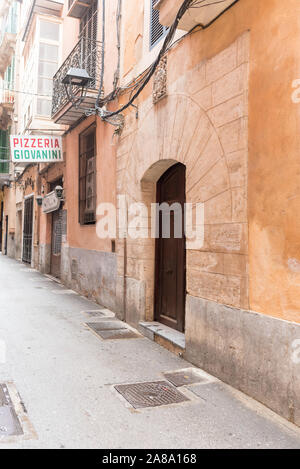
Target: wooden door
column 170, row 281
column 27, row 230
column 56, row 243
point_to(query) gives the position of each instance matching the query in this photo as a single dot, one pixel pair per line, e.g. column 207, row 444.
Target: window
column 48, row 52
column 157, row 30
column 47, row 65
column 44, row 107
column 88, row 22
column 88, row 35
column 49, row 30
column 87, row 177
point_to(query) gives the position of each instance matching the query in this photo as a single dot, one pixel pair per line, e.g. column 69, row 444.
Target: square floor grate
column 111, row 330
column 153, row 394
column 185, row 377
column 5, row 399
column 107, row 325
column 9, row 422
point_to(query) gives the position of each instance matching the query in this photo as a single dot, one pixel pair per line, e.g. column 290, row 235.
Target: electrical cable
column 103, row 55
column 28, row 93
column 184, row 7
column 140, row 82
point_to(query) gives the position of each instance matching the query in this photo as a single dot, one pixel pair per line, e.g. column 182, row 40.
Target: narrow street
column 65, row 376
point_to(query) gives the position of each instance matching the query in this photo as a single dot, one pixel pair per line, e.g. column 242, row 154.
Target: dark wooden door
column 6, row 235
column 56, row 243
column 170, row 281
column 27, row 230
column 1, row 224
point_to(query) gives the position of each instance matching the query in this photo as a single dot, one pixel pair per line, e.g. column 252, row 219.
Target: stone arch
column 178, row 129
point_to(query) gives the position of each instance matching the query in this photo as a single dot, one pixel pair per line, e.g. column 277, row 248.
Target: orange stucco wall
column 273, row 166
column 9, row 209
column 85, row 236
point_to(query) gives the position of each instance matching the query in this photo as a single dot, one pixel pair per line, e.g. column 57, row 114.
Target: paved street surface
column 65, row 375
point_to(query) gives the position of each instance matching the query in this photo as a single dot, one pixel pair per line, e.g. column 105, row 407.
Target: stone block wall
column 202, row 123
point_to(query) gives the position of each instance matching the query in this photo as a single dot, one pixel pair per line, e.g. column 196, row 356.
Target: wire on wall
column 140, row 85
column 140, row 82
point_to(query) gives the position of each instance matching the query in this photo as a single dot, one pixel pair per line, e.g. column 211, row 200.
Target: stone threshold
column 166, row 336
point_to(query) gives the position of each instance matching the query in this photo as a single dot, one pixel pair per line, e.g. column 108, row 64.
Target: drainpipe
column 102, row 56
column 125, row 280
column 122, row 230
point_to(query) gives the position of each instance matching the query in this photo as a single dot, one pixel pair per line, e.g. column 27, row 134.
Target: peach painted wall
column 56, row 171
column 274, row 139
column 70, row 33
column 9, row 209
column 85, row 237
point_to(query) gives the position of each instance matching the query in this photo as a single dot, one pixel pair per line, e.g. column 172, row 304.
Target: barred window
column 88, row 32
column 87, row 177
column 88, row 22
column 157, row 30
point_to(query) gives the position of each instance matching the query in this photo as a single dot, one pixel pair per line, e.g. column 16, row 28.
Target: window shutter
column 90, row 188
column 88, row 23
column 157, row 30
column 87, row 177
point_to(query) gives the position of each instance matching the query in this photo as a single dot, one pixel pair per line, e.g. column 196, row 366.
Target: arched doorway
column 170, row 252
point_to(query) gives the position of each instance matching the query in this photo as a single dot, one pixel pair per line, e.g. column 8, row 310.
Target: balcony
column 4, row 7
column 7, row 100
column 8, row 38
column 87, row 54
column 44, row 7
column 77, row 8
column 203, row 14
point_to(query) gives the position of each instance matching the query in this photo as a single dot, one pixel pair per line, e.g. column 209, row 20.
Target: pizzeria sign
column 36, row 149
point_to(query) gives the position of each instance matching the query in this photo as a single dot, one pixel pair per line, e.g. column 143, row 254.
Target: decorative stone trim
column 160, row 81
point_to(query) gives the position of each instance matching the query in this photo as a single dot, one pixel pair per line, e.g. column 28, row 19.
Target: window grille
column 88, row 23
column 157, row 30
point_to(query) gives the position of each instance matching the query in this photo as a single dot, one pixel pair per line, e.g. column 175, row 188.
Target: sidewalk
column 65, row 375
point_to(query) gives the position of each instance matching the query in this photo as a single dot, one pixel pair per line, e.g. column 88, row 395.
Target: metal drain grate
column 9, row 422
column 107, row 325
column 153, row 394
column 4, row 396
column 112, row 330
column 184, row 377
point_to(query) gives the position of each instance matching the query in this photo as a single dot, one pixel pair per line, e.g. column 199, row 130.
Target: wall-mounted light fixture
column 76, row 79
column 59, row 191
column 39, row 200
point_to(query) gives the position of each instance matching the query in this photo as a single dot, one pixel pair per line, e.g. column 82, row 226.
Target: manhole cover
column 112, row 334
column 9, row 422
column 152, row 394
column 4, row 396
column 184, row 377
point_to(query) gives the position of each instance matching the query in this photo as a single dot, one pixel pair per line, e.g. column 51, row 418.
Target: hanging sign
column 36, row 149
column 51, row 202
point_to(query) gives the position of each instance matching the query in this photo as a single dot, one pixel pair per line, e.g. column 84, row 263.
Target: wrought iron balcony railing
column 87, row 54
column 7, row 95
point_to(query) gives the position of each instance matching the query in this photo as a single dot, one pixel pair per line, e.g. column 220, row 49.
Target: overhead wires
column 139, row 83
column 143, row 80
